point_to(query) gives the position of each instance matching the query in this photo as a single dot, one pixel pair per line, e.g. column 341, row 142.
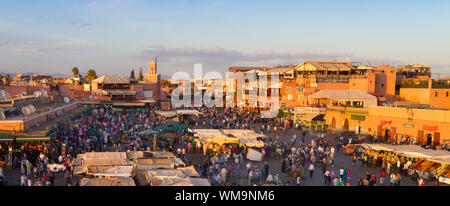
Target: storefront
column 399, row 125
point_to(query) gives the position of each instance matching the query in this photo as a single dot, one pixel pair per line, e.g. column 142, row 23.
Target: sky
column 115, row 36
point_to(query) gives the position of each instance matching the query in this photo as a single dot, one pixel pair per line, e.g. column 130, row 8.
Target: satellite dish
column 66, row 100
column 26, row 111
column 24, row 94
column 36, row 94
column 31, row 108
column 96, row 93
column 2, row 116
column 3, row 98
column 20, row 96
column 90, row 97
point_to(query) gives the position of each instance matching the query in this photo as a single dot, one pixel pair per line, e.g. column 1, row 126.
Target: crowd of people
column 102, row 130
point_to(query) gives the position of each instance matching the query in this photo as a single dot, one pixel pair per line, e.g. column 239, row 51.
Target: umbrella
column 161, row 127
column 177, row 128
column 148, row 132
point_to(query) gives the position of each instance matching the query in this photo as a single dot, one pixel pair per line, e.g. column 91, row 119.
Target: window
column 382, row 85
column 436, row 94
column 446, row 94
column 290, row 97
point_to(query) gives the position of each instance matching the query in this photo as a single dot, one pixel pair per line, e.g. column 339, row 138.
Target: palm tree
column 75, row 71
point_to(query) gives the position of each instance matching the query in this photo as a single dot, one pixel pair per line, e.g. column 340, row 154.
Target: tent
column 254, row 155
column 148, row 132
column 177, row 128
column 161, row 128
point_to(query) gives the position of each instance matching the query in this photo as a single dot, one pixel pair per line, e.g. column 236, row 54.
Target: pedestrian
column 383, row 174
column 311, row 170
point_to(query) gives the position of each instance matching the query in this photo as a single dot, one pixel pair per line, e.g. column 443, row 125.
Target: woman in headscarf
column 333, row 176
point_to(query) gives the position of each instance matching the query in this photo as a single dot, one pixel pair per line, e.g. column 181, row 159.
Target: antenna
column 66, row 100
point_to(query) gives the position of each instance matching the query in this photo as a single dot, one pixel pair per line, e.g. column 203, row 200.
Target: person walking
column 311, row 170
column 383, row 174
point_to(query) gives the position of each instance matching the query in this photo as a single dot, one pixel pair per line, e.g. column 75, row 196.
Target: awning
column 6, row 138
column 313, row 117
column 129, row 104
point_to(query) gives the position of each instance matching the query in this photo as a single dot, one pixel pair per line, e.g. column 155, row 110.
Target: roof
column 326, row 66
column 241, row 68
column 108, row 182
column 188, row 112
column 341, row 94
column 413, row 151
column 281, row 69
column 120, row 92
column 111, row 79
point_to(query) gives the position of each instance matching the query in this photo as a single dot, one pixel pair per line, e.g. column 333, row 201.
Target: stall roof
column 104, row 155
column 412, row 151
column 199, row 182
column 189, row 171
column 188, row 111
column 162, row 155
column 171, row 182
column 106, row 162
column 108, row 182
column 167, row 113
column 113, row 171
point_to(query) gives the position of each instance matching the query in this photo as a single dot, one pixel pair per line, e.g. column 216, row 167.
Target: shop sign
column 430, row 128
column 408, row 125
column 358, row 117
column 385, row 122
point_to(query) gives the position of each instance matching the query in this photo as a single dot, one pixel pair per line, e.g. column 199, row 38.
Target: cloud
column 219, row 59
column 55, row 43
column 79, row 23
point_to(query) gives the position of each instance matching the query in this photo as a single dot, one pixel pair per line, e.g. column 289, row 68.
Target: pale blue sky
column 113, row 36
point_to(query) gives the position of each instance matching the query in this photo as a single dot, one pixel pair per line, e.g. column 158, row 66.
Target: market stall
column 128, row 181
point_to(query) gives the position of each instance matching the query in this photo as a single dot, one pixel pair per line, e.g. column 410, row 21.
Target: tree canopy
column 75, row 71
column 141, row 76
column 91, row 75
column 132, row 74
